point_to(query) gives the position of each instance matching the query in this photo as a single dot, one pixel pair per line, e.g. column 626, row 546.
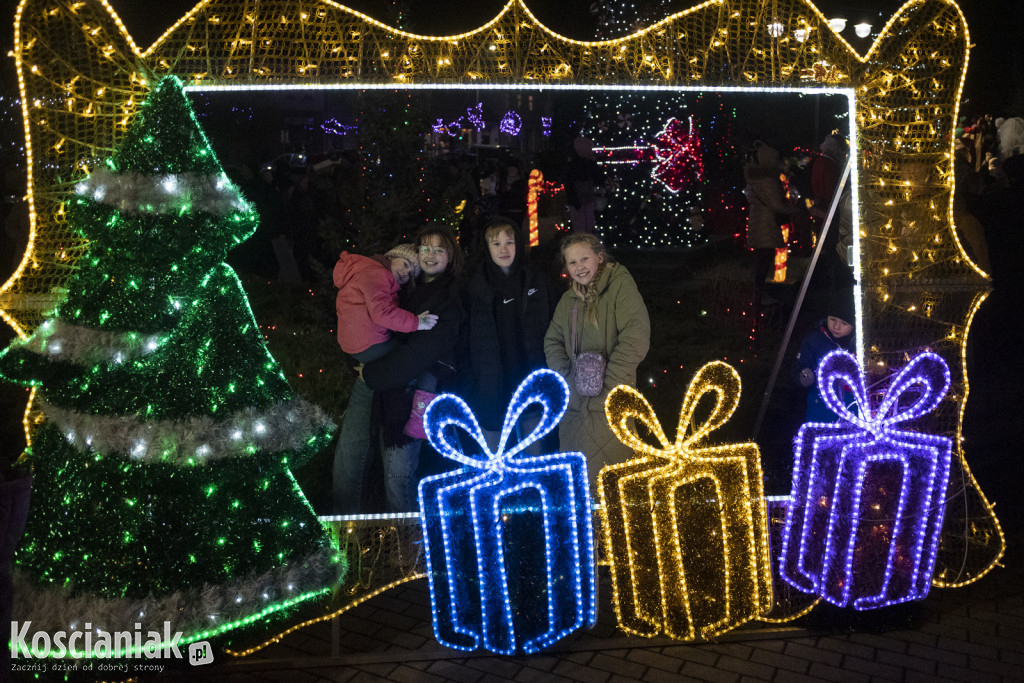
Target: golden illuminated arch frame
column 82, row 78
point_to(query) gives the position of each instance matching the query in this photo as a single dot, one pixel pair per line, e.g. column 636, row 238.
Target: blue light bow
column 544, row 387
column 499, row 605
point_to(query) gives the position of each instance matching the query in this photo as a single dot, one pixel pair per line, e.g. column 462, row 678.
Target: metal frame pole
column 800, row 297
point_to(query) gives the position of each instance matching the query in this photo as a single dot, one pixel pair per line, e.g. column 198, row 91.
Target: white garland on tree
column 284, row 426
column 190, row 611
column 88, row 346
column 135, row 193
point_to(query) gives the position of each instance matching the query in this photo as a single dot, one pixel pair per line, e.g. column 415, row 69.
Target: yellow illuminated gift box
column 685, row 526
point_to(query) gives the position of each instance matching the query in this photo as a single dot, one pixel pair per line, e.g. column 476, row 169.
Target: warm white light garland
column 195, row 441
column 135, row 193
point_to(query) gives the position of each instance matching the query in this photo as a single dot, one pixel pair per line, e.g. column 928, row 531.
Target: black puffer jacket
column 504, row 341
column 418, row 353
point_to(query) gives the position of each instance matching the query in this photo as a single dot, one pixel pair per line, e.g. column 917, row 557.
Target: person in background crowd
column 512, row 198
column 969, row 187
column 768, row 210
column 604, row 313
column 1001, row 212
column 581, row 180
column 302, row 224
column 255, row 256
column 509, row 305
column 1011, row 137
column 15, row 216
column 826, row 171
column 835, row 331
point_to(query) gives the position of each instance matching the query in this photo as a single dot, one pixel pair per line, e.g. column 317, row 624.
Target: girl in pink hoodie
column 367, row 302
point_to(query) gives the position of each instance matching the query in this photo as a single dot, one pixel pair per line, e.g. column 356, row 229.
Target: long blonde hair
column 588, row 293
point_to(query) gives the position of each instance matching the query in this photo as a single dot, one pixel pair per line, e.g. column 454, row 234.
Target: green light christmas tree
column 162, row 483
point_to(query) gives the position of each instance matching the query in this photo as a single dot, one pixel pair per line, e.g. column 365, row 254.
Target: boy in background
column 835, row 331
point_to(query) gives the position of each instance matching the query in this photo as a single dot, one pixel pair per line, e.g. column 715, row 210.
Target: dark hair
column 841, row 305
column 448, row 241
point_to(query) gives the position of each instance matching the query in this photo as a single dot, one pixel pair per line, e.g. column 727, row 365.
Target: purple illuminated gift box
column 868, row 498
column 508, row 538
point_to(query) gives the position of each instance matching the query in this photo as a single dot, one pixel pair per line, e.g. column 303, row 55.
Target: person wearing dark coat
column 582, row 178
column 766, row 196
column 424, row 360
column 381, row 402
column 509, row 304
column 1002, row 214
column 835, row 331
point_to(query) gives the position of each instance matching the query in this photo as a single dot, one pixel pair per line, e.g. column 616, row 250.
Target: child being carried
column 367, row 302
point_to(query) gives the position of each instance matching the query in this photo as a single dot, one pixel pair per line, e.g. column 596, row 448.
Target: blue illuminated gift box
column 868, row 498
column 508, row 538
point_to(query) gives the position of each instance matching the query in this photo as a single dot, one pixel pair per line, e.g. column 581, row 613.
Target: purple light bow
column 867, row 502
column 927, row 372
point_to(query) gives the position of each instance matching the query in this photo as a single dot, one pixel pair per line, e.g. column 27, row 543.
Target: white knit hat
column 408, row 252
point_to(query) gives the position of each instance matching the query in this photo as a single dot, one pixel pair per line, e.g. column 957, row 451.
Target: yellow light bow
column 685, row 524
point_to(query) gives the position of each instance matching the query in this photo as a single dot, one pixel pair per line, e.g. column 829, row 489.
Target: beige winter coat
column 623, row 335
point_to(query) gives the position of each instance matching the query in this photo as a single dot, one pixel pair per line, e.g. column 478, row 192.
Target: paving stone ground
column 974, row 633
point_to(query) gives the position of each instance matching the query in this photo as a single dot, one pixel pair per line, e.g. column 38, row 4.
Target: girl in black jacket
column 509, row 304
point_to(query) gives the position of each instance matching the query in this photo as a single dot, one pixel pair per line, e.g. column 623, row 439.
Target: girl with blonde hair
column 602, row 313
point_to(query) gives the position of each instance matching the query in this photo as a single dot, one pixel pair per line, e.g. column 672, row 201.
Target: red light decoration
column 678, row 153
column 675, row 153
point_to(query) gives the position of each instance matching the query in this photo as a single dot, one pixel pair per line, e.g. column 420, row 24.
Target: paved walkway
column 974, row 633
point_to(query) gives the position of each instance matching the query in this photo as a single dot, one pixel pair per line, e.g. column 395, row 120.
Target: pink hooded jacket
column 367, row 302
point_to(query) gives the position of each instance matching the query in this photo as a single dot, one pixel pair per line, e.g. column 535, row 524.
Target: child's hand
column 806, row 377
column 359, row 370
column 427, row 320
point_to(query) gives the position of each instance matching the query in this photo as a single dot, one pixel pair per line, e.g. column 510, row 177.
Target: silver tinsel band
column 135, row 193
column 207, row 608
column 191, row 441
column 88, row 346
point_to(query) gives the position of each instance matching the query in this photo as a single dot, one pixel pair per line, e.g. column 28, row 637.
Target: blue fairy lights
column 508, row 539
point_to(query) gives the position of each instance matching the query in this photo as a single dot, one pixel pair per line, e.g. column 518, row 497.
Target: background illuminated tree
column 162, row 471
column 630, row 130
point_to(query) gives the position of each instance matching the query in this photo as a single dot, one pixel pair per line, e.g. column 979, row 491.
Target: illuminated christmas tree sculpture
column 647, row 145
column 163, row 488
